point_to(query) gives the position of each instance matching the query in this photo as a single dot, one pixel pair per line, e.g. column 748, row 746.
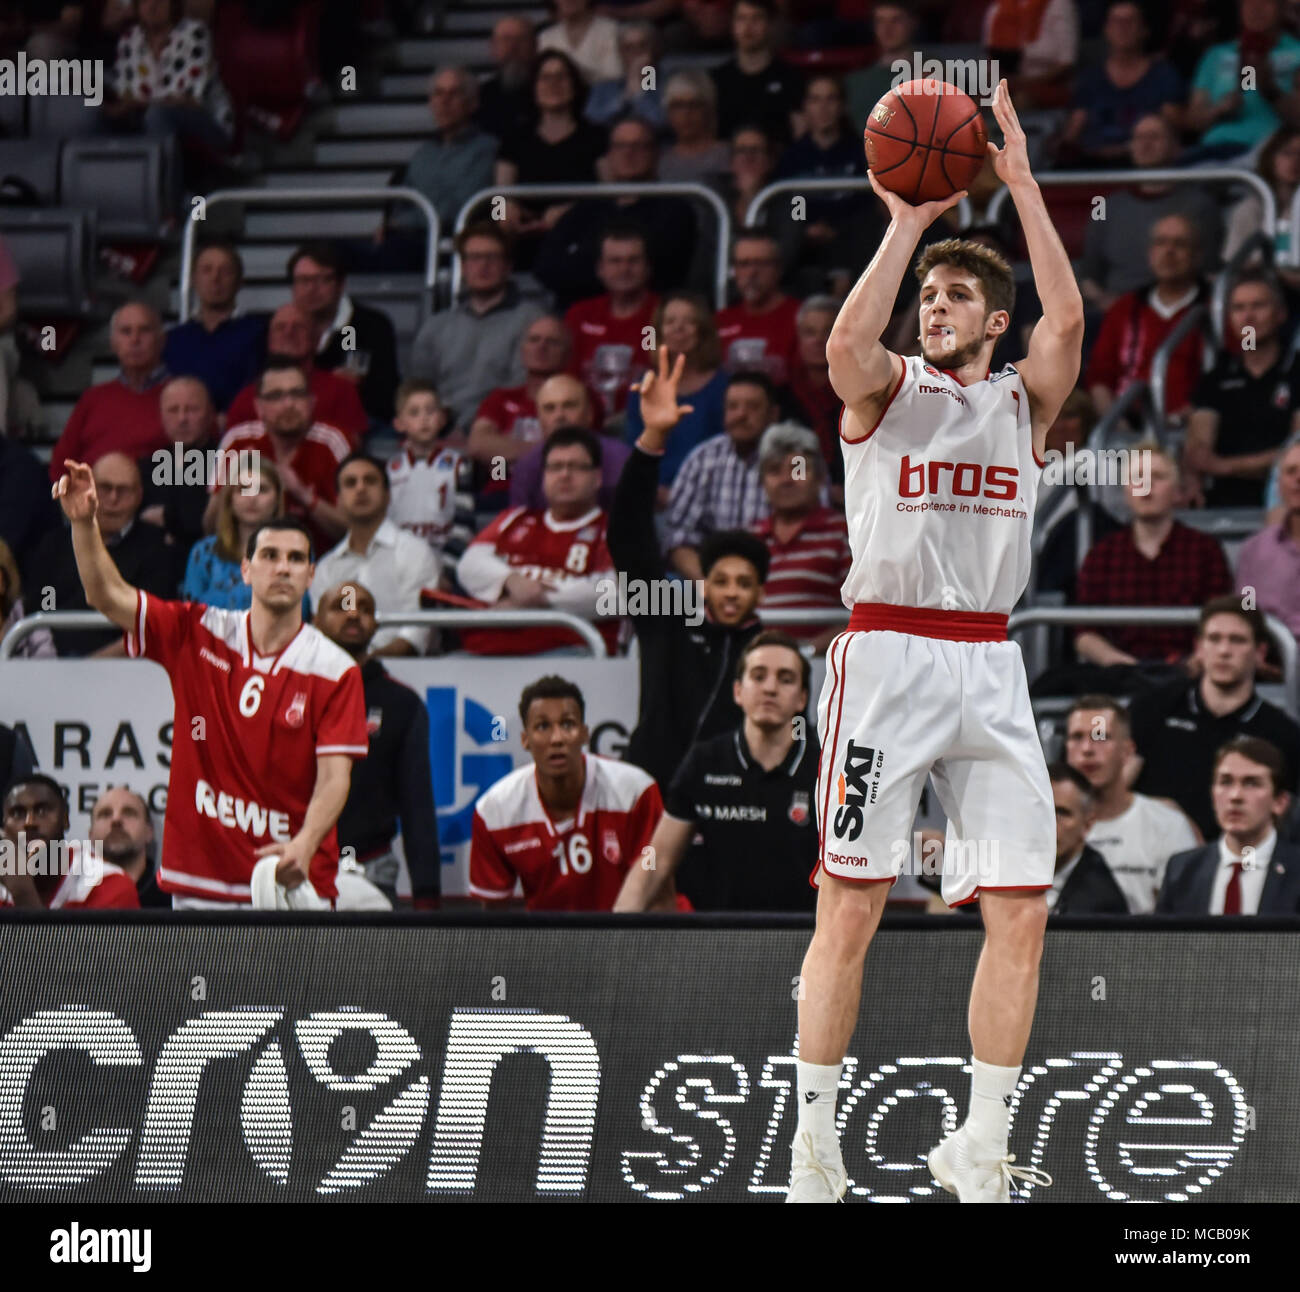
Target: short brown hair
column 775, row 637
column 708, row 352
column 1263, row 752
column 414, row 386
column 991, row 271
column 1103, row 704
column 1231, row 605
column 484, row 229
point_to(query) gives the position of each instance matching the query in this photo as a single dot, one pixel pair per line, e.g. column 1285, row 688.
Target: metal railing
column 578, row 192
column 310, row 197
column 77, row 619
column 1223, row 282
column 1159, row 378
column 1293, row 256
column 800, row 186
column 1156, row 617
column 1128, row 178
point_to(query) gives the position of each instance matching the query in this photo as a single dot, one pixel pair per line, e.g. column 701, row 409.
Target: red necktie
column 1232, row 894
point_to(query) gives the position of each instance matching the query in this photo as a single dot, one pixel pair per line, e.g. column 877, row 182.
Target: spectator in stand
column 1178, row 729
column 471, row 348
column 720, row 485
column 612, row 332
column 1114, row 93
column 760, row 333
column 696, row 154
column 307, row 452
column 506, row 425
column 1135, row 834
column 755, row 86
column 354, row 341
column 27, row 512
column 166, row 81
column 684, row 325
column 685, row 658
column 214, row 573
column 1229, row 119
column 1036, row 46
column 1117, row 250
column 591, row 42
column 139, row 551
column 894, row 25
column 449, row 168
column 627, row 97
column 1247, row 404
column 567, row 259
column 808, row 543
column 122, row 415
column 506, row 107
column 745, row 859
column 562, row 148
column 1249, row 870
column 220, row 345
column 567, row 826
column 812, row 397
column 9, row 280
column 392, row 786
column 35, row 815
column 122, row 824
column 1082, row 883
column 429, row 480
column 750, row 170
column 1156, row 561
column 563, row 401
column 38, row 644
column 1138, row 323
column 175, row 482
column 1268, row 565
column 393, row 564
column 1279, row 168
column 291, row 339
column 532, row 559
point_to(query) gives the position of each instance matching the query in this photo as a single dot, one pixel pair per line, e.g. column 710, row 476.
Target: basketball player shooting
column 941, row 476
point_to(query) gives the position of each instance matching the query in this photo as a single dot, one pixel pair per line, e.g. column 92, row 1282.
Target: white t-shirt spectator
column 185, row 68
column 596, row 54
column 1137, row 846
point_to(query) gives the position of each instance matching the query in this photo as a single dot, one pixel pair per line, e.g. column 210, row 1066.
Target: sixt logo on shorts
column 861, row 763
column 969, row 479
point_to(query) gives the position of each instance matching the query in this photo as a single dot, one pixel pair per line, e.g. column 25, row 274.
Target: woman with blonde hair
column 696, row 154
column 684, row 323
column 213, row 574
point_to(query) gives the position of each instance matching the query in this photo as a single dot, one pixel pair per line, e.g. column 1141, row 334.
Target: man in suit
column 1248, row 870
column 1082, row 884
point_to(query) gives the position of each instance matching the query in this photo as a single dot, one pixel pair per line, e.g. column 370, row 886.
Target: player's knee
column 848, row 913
column 1015, row 921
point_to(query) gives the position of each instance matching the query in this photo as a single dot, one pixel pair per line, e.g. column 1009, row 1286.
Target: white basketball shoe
column 963, row 1167
column 815, row 1178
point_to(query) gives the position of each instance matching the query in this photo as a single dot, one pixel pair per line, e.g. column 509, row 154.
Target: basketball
column 925, row 141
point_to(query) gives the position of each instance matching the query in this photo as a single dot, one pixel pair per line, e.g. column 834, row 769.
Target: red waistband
column 948, row 625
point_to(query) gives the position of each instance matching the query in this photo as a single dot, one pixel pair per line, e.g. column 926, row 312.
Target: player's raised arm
column 1056, row 343
column 106, row 590
column 862, row 370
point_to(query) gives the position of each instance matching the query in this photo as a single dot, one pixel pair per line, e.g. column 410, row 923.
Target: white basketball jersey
column 940, row 496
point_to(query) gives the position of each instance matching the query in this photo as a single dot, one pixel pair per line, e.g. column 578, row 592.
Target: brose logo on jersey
column 969, row 479
column 860, row 762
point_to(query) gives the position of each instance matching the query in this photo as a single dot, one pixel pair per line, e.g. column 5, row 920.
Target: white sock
column 817, row 1114
column 991, row 1089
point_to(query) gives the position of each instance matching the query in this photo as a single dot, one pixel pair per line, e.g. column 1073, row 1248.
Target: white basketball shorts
column 897, row 706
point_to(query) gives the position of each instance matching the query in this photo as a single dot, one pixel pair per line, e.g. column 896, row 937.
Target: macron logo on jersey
column 942, row 390
column 969, row 479
column 240, row 814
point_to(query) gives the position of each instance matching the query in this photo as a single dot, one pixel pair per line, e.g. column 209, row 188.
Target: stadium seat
column 62, row 116
column 35, row 162
column 54, row 250
column 129, row 182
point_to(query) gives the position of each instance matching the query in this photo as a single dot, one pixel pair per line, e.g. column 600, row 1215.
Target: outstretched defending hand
column 75, row 490
column 660, row 410
column 1011, row 161
column 900, row 212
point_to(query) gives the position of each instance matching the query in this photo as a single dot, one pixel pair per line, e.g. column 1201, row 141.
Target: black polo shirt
column 1178, row 737
column 1254, row 415
column 757, row 840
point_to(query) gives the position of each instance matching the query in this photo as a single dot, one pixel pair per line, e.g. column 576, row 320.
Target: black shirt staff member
column 749, row 794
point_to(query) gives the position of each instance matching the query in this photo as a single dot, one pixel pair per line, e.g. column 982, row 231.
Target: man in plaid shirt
column 1155, row 561
column 719, row 485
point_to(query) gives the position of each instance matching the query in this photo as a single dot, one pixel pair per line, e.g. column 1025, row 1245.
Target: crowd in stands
column 526, row 476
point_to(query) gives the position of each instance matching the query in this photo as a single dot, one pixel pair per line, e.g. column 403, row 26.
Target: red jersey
column 337, row 405
column 775, row 329
column 571, row 554
column 113, row 891
column 314, row 461
column 608, row 352
column 249, row 729
column 571, row 864
column 512, row 411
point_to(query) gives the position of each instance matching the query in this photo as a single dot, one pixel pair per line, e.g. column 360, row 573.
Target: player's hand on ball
column 294, row 861
column 1011, row 161
column 75, row 491
column 660, row 410
column 901, row 212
